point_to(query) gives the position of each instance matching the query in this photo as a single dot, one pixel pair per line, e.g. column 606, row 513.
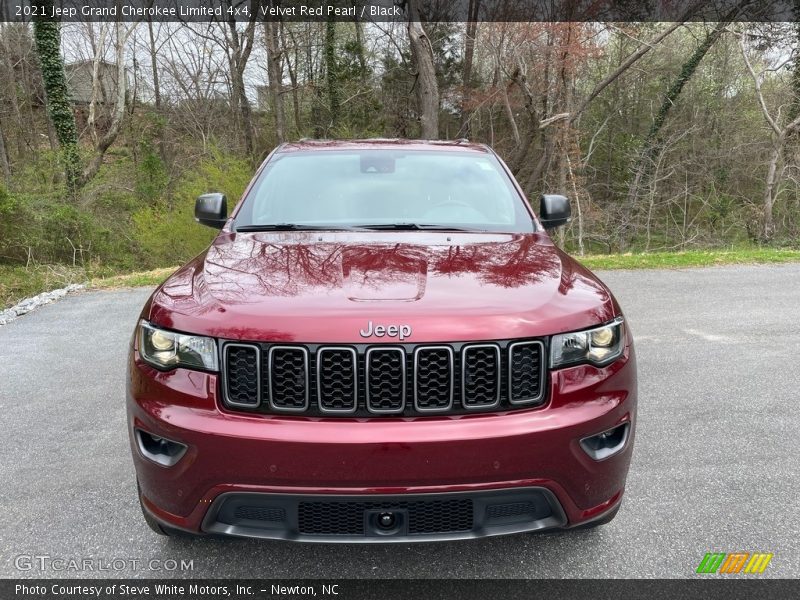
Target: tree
column 469, row 54
column 275, row 74
column 5, row 162
column 779, row 132
column 103, row 143
column 650, row 147
column 238, row 48
column 331, row 71
column 48, row 47
column 426, row 86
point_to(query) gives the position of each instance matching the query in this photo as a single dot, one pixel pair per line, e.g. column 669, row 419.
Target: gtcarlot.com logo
column 45, row 562
column 733, row 563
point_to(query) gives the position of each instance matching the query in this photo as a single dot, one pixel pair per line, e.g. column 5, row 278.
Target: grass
column 129, row 280
column 17, row 283
column 691, row 258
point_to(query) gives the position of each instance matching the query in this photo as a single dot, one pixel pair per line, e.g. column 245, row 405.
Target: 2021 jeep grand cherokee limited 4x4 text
column 381, row 344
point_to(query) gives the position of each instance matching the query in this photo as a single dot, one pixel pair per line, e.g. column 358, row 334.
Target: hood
column 328, row 287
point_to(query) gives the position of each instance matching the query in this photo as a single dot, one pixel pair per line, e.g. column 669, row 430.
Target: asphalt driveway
column 715, row 466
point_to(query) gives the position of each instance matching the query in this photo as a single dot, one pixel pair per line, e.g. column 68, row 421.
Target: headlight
column 599, row 346
column 167, row 349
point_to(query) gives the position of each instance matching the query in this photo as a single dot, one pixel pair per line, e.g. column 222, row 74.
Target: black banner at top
column 395, row 10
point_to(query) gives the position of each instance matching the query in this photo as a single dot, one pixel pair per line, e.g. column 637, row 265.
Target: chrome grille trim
column 225, row 397
column 320, row 353
column 464, row 352
column 417, row 352
column 542, row 372
column 272, row 404
column 382, row 411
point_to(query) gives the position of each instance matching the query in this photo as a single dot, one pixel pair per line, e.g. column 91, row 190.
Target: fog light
column 606, row 444
column 158, row 449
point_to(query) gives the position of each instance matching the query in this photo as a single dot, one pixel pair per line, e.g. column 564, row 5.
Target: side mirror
column 554, row 210
column 211, row 210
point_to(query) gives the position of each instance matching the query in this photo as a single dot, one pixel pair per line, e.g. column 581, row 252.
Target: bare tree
column 778, row 134
column 5, row 161
column 426, row 85
column 238, row 48
column 469, row 53
column 103, row 143
column 275, row 72
column 154, row 62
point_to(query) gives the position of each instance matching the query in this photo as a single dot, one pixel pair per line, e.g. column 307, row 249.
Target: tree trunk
column 768, row 224
column 97, row 83
column 469, row 53
column 275, row 73
column 154, row 64
column 331, row 72
column 22, row 133
column 239, row 54
column 426, row 85
column 104, row 143
column 292, row 70
column 363, row 69
column 48, row 48
column 5, row 161
column 529, row 103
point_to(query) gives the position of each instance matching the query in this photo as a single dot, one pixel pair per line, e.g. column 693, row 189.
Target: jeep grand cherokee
column 381, row 344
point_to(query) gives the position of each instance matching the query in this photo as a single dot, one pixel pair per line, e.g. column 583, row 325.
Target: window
column 385, row 187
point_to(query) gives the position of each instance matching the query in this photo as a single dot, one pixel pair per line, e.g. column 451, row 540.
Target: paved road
column 715, row 467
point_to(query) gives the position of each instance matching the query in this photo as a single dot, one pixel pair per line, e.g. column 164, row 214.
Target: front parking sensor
column 607, row 444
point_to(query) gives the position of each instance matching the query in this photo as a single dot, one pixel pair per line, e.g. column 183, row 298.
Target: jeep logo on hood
column 398, row 331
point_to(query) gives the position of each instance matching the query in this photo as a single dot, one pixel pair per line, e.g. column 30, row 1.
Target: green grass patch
column 692, row 258
column 17, row 283
column 129, row 280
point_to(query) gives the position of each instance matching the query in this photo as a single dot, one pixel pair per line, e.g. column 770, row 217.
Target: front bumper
column 278, row 462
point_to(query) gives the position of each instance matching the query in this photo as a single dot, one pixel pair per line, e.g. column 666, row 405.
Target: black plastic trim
column 483, row 525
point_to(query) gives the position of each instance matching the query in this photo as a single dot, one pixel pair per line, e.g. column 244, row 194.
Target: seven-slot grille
column 364, row 380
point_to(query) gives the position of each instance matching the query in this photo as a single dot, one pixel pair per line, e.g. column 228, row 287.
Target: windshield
column 382, row 189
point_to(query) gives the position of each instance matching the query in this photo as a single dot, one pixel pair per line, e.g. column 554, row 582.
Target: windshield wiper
column 292, row 227
column 418, row 227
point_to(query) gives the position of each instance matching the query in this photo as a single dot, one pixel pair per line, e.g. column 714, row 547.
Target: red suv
column 381, row 344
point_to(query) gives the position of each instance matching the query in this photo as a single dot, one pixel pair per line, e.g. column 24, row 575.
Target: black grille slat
column 241, row 383
column 362, row 380
column 260, row 513
column 336, row 379
column 440, row 516
column 347, row 517
column 525, row 369
column 433, row 379
column 386, row 380
column 513, row 509
column 288, row 385
column 481, row 376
